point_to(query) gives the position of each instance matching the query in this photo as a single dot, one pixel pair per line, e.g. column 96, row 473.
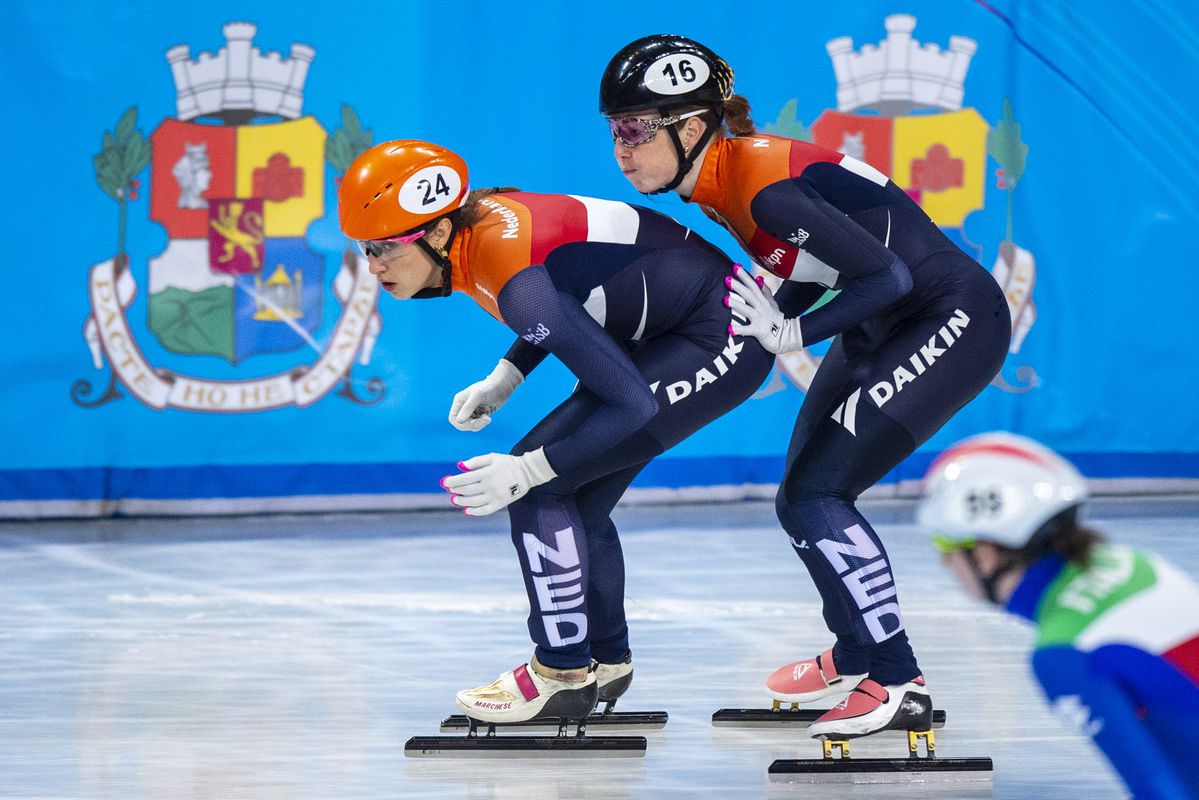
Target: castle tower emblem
column 239, row 82
column 899, row 75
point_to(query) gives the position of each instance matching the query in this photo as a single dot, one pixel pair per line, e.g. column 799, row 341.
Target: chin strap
column 687, row 161
column 442, row 259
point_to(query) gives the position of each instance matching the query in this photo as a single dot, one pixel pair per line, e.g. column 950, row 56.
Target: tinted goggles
column 632, row 131
column 379, row 248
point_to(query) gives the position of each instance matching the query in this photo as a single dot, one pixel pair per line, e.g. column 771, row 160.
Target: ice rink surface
column 292, row 657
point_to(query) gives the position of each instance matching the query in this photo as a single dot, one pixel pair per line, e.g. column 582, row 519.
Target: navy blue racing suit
column 633, row 304
column 920, row 329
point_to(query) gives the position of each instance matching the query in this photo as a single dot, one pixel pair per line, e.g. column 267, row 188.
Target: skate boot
column 532, row 691
column 872, row 707
column 613, row 679
column 805, row 681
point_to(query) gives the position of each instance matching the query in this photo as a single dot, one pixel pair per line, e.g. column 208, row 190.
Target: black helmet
column 664, row 71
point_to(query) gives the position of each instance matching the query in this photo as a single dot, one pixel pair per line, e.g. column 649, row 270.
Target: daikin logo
column 681, row 389
column 921, row 360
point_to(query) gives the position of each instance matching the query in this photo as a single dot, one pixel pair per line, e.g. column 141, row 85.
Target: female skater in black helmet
column 918, row 330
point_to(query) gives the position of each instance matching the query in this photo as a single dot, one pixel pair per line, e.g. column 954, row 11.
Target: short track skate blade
column 881, row 770
column 525, row 746
column 613, row 720
column 766, row 718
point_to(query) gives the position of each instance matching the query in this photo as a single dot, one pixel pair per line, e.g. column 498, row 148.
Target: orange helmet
column 397, row 186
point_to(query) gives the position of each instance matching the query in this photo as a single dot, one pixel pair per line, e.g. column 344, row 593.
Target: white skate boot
column 532, row 691
column 613, row 679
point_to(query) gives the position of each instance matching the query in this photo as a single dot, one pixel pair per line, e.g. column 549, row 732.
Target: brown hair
column 469, row 213
column 736, row 116
column 1063, row 535
column 733, row 121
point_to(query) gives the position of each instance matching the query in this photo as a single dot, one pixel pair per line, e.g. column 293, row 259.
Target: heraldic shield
column 237, row 277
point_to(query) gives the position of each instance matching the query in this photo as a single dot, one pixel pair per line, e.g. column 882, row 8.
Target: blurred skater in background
column 1117, row 648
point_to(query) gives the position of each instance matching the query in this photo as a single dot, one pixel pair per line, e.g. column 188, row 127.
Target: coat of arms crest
column 236, row 178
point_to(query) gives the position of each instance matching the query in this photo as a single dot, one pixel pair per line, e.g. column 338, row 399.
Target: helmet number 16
column 686, row 72
column 676, row 74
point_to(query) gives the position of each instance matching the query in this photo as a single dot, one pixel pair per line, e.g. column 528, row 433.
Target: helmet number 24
column 430, row 189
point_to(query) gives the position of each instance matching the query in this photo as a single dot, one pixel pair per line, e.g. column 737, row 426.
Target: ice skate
column 800, row 682
column 532, row 692
column 873, row 708
column 530, row 696
column 805, row 681
column 612, row 681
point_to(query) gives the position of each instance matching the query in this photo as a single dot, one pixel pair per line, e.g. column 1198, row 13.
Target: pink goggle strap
column 408, row 238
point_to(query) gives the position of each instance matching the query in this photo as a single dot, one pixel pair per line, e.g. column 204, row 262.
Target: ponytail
column 736, row 116
column 1063, row 535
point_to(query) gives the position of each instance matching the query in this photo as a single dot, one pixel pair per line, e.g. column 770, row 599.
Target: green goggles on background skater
column 946, row 545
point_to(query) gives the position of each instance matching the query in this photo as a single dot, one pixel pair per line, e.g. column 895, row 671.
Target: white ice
column 292, row 657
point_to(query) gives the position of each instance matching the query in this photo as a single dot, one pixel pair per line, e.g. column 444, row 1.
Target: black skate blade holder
column 607, row 718
column 491, row 745
column 837, row 765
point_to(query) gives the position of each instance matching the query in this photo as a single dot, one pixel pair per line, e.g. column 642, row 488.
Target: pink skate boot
column 805, row 681
column 872, row 707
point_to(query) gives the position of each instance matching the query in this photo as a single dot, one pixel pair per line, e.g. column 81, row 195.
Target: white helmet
column 999, row 487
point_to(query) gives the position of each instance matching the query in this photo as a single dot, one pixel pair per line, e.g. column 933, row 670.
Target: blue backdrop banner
column 207, row 340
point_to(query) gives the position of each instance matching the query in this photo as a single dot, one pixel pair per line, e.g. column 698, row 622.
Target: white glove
column 473, row 406
column 489, row 483
column 763, row 320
